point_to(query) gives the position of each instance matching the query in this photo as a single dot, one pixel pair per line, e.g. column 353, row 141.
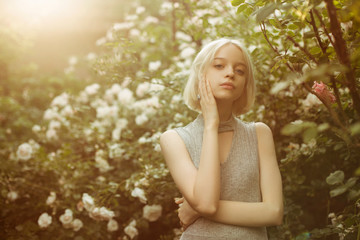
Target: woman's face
column 227, row 73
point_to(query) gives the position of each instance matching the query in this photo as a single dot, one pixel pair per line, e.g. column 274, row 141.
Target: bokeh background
column 88, row 86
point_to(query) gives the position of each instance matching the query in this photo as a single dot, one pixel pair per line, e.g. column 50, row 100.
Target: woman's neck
column 224, row 110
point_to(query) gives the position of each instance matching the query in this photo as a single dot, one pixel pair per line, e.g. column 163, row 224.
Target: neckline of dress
column 224, row 126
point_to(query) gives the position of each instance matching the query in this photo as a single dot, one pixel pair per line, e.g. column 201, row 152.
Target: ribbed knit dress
column 239, row 178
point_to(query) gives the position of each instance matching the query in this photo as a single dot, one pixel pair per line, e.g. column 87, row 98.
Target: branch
column 302, row 49
column 342, row 53
column 337, row 94
column 274, row 48
column 313, row 24
column 323, row 26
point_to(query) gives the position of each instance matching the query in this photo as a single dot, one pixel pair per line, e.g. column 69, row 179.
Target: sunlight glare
column 38, row 10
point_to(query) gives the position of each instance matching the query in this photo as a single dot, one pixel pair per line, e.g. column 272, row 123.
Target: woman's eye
column 218, row 66
column 238, row 71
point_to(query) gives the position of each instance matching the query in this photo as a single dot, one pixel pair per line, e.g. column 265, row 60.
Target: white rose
column 12, row 195
column 125, row 96
column 51, row 134
column 131, row 230
column 44, row 220
column 24, row 152
column 106, row 214
column 67, row 111
column 54, row 124
column 152, row 212
column 36, row 128
column 141, row 119
column 88, row 202
column 51, row 199
column 103, row 165
column 153, row 66
column 51, row 114
column 112, row 225
column 115, row 151
column 310, row 101
column 115, row 88
column 151, row 19
column 60, row 100
column 140, row 10
column 139, row 193
column 187, row 52
column 142, row 89
column 92, row 89
column 66, row 218
column 95, row 213
column 77, row 224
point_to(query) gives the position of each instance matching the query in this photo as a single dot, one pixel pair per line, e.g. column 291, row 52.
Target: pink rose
column 323, row 92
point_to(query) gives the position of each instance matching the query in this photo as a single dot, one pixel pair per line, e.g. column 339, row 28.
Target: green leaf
column 237, row 2
column 274, row 23
column 322, row 127
column 293, row 26
column 338, row 191
column 279, row 87
column 315, row 50
column 309, row 34
column 264, row 12
column 351, row 182
column 355, row 129
column 309, row 134
column 335, row 177
column 241, row 8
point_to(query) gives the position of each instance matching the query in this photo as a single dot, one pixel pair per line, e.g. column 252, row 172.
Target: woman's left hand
column 186, row 214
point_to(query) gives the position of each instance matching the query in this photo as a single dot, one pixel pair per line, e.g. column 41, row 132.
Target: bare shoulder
column 263, row 130
column 168, row 135
column 171, row 139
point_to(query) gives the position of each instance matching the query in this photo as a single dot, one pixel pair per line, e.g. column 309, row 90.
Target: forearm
column 250, row 214
column 207, row 183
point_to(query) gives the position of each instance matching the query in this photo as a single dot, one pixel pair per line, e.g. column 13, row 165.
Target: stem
column 337, row 94
column 317, row 35
column 343, row 54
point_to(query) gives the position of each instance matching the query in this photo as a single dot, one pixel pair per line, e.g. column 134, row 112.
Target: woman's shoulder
column 262, row 129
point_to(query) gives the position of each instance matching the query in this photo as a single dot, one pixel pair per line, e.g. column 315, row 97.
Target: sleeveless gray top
column 239, row 178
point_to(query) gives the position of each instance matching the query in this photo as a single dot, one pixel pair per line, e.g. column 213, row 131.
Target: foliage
column 88, row 150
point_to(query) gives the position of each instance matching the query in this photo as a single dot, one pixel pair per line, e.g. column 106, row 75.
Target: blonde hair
column 202, row 61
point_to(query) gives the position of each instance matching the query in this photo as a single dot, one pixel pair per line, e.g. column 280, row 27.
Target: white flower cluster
column 26, row 150
column 139, row 193
column 44, row 220
column 311, row 101
column 336, row 222
column 98, row 213
column 152, row 212
column 131, row 230
column 101, row 162
column 68, row 221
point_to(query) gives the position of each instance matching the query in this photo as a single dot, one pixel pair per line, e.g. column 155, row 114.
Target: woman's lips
column 227, row 85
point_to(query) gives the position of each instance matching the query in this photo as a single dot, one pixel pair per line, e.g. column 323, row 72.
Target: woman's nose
column 230, row 72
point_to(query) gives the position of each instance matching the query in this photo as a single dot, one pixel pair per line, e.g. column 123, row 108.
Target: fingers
column 205, row 90
column 179, row 200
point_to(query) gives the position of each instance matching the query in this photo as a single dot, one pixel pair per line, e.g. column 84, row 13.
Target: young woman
column 225, row 168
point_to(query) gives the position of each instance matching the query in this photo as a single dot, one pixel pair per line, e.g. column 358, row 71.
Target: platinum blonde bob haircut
column 202, row 61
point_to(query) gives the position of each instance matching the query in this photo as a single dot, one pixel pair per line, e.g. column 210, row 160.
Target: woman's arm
column 200, row 187
column 270, row 210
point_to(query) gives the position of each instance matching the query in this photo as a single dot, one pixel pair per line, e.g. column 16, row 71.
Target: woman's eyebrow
column 238, row 63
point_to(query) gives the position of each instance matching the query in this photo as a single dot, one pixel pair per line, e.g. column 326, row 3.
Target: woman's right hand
column 208, row 104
